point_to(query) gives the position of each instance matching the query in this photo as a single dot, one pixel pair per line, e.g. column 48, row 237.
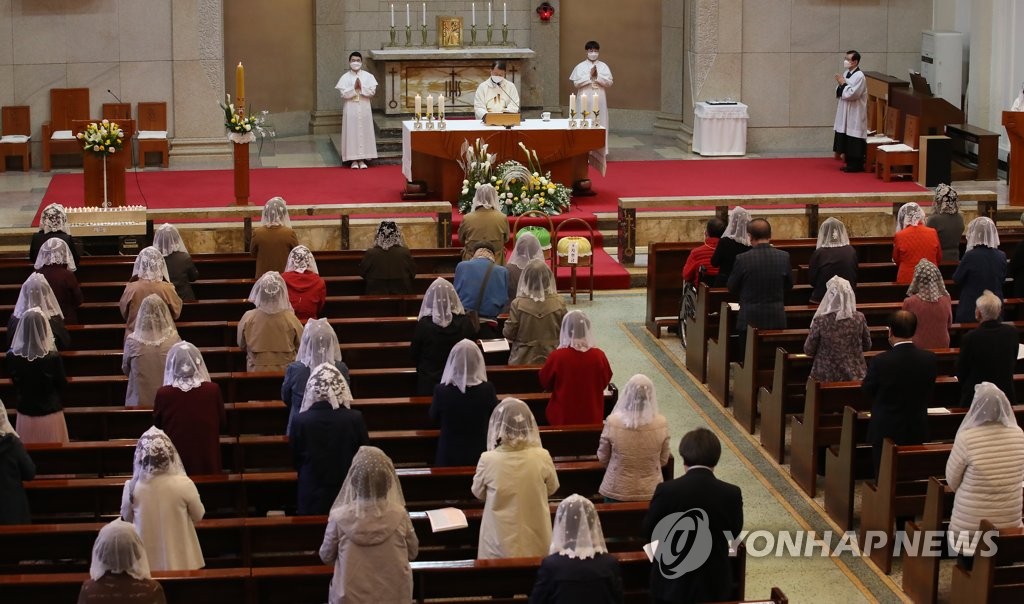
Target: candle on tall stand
column 430, row 105
column 488, row 13
column 490, row 24
column 240, row 88
column 440, row 105
column 392, row 14
column 474, row 14
column 504, row 9
column 408, row 23
column 472, row 29
column 424, row 14
column 572, row 110
column 393, row 33
column 408, row 26
column 417, row 103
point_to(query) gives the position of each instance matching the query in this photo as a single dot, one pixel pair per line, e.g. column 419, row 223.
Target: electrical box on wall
column 942, row 58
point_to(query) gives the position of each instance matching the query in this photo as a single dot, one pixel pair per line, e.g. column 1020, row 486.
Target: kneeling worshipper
column 56, row 264
column 370, row 537
column 269, row 334
column 36, row 293
column 324, row 438
column 485, row 223
column 387, row 266
column 149, row 276
column 180, row 268
column 15, row 468
column 119, row 571
column 307, row 291
column 496, row 94
column 527, row 248
column 145, row 351
column 274, row 238
column 442, row 323
column 576, row 374
column 319, row 345
column 578, row 567
column 634, row 444
column 37, row 374
column 514, row 477
column 53, row 224
column 189, row 408
column 163, row 504
column 357, row 88
column 534, row 317
column 462, row 406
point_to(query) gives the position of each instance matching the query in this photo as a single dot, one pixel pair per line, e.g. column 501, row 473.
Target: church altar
column 431, row 156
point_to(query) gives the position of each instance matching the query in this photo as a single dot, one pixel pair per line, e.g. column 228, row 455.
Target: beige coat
column 986, row 468
column 484, row 224
column 144, row 366
column 533, row 328
column 164, row 513
column 634, row 458
column 269, row 341
column 271, row 246
column 136, row 291
column 515, row 486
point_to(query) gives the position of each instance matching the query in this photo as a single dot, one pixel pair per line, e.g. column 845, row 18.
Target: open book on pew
column 498, row 345
column 447, row 519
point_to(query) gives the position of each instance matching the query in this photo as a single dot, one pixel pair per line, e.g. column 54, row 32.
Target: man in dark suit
column 714, row 507
column 988, row 353
column 900, row 381
column 760, row 278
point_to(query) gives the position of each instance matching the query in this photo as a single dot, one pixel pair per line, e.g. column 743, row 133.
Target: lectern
column 94, row 172
column 1015, row 129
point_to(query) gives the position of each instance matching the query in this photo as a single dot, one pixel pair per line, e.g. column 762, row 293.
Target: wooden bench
column 995, row 577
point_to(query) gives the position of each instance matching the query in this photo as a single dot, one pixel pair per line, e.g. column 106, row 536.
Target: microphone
column 111, row 93
column 502, row 87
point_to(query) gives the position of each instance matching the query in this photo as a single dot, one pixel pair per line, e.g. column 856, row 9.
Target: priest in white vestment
column 591, row 77
column 496, row 94
column 851, row 125
column 357, row 87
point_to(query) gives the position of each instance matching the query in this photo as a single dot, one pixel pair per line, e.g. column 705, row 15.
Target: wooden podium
column 93, row 169
column 1014, row 124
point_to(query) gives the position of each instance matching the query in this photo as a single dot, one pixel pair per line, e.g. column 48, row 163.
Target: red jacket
column 307, row 292
column 576, row 381
column 700, row 256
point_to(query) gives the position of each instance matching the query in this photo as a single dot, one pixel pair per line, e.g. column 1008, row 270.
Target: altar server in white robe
column 357, row 87
column 1018, row 105
column 592, row 77
column 851, row 124
column 496, row 94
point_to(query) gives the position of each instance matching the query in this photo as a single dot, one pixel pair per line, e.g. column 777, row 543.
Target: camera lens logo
column 684, row 542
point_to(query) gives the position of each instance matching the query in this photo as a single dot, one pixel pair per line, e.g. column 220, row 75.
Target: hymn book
column 447, row 519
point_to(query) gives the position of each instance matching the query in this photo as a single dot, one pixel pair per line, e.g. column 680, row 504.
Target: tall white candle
column 417, row 104
column 430, row 104
column 440, row 105
column 488, row 13
column 572, row 102
column 392, row 14
column 407, row 22
column 424, row 13
column 583, row 103
column 596, row 106
column 504, row 10
column 474, row 14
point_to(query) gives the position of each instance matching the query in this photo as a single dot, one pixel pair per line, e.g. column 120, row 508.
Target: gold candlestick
column 595, row 123
column 417, row 124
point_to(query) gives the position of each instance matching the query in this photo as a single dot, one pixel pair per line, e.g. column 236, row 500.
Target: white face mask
column 592, row 55
column 355, row 65
column 497, row 80
column 847, row 64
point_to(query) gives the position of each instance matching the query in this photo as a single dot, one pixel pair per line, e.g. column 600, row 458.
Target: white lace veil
column 55, row 251
column 486, row 196
column 33, row 339
column 185, row 368
column 527, row 249
column 736, row 230
column 990, row 406
column 576, row 331
column 536, row 282
column 300, row 260
column 982, row 231
column 54, row 218
column 36, row 293
column 832, row 233
column 512, row 426
column 326, row 384
column 155, row 455
column 389, row 235
column 167, row 240
column 637, row 405
column 440, row 303
column 275, row 213
column 577, row 531
column 319, row 344
column 154, row 323
column 270, row 293
column 465, row 366
column 839, row 299
column 5, row 422
column 118, row 549
column 371, row 487
column 910, row 214
column 150, row 265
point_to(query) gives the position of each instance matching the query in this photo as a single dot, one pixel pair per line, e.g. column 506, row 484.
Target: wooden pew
column 700, row 328
column 996, row 577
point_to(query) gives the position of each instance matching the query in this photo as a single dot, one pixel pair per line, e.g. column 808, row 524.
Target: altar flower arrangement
column 235, row 122
column 522, row 187
column 103, row 138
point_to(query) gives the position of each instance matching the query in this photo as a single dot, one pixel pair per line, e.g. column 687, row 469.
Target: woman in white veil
column 527, row 248
column 576, row 374
column 387, row 266
column 120, row 568
column 37, row 293
column 189, row 407
column 734, row 241
column 462, row 406
column 985, row 468
column 369, row 537
column 181, row 271
column 319, row 345
column 485, row 223
column 163, row 504
column 535, row 316
column 833, row 256
column 53, row 224
column 274, row 238
column 18, row 467
column 839, row 336
column 307, row 290
column 270, row 333
column 634, row 444
column 37, row 374
column 578, row 550
column 442, row 322
column 149, row 276
column 913, row 241
column 983, row 267
column 145, row 351
column 514, row 478
column 57, row 266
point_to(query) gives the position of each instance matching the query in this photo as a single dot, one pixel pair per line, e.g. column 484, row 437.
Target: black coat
column 182, row 272
column 15, row 467
column 463, row 419
column 431, row 345
column 980, row 269
column 901, row 382
column 324, row 441
column 565, row 580
column 827, row 262
column 761, row 278
column 724, row 257
column 39, row 238
column 1016, row 269
column 723, row 504
column 988, row 354
column 390, row 271
column 38, row 383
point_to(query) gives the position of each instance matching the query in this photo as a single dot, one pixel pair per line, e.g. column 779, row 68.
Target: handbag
column 474, row 314
column 611, row 396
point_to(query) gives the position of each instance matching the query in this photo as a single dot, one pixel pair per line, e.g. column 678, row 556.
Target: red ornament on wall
column 545, row 11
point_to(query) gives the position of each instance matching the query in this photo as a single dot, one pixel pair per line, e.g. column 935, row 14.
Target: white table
column 720, row 129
